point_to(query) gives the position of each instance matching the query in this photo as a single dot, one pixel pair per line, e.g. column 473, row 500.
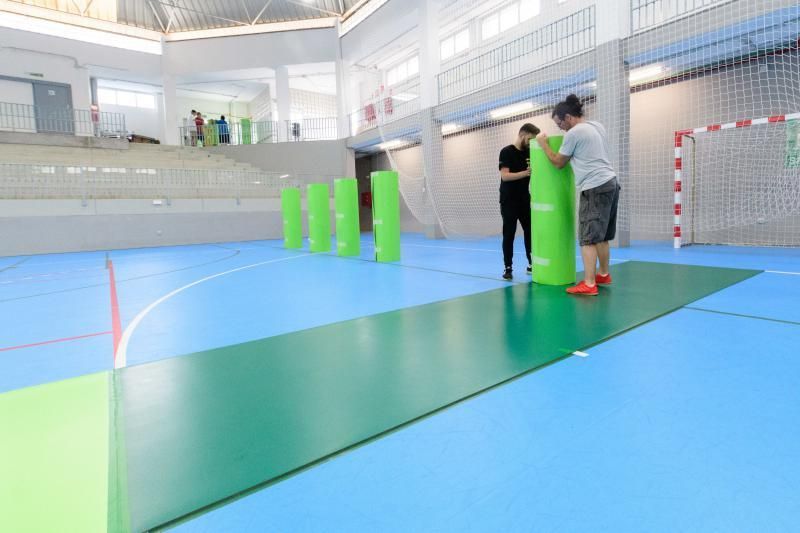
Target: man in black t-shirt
column 515, row 196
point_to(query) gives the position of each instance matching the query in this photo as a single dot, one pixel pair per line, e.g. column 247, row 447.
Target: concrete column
column 169, row 115
column 432, row 154
column 429, row 58
column 343, row 122
column 284, row 97
column 614, row 112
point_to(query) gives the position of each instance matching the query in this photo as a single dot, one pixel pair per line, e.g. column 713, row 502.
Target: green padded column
column 292, row 218
column 386, row 215
column 244, row 125
column 348, row 230
column 319, row 217
column 552, row 218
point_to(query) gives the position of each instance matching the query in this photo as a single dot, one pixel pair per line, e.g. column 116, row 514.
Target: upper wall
column 249, row 51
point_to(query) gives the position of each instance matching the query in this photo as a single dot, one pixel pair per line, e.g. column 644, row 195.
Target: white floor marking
column 783, row 273
column 122, row 351
column 580, row 354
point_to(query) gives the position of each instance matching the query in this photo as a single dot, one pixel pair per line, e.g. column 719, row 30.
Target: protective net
column 646, row 69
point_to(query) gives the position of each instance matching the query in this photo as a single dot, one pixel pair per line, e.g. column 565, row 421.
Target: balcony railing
column 245, row 132
column 26, row 118
column 403, row 101
column 563, row 38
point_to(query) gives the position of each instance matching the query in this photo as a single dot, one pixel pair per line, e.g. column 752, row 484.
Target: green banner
column 319, row 217
column 793, row 144
column 292, row 218
column 244, row 127
column 348, row 230
column 386, row 215
column 552, row 218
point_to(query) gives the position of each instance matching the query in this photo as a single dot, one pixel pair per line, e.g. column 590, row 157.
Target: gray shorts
column 598, row 213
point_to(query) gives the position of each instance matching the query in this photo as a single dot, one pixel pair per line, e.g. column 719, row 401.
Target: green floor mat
column 203, row 428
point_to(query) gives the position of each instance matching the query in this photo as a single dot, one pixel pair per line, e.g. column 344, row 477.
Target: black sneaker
column 529, row 270
column 507, row 273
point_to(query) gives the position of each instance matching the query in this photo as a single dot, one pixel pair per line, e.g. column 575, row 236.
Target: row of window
column 126, row 98
column 403, row 71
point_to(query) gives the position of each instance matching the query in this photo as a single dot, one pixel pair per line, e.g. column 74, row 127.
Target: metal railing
column 25, row 118
column 647, row 14
column 403, row 101
column 45, row 182
column 563, row 38
column 244, row 133
column 239, row 133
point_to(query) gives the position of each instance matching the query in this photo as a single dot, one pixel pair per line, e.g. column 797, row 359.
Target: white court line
column 781, row 272
column 580, row 354
column 122, row 350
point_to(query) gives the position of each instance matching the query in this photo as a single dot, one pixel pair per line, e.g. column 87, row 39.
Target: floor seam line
column 740, row 315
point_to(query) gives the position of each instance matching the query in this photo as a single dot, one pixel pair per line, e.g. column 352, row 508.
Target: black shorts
column 598, row 213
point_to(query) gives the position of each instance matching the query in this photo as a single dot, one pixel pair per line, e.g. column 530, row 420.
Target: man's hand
column 526, row 173
column 542, row 139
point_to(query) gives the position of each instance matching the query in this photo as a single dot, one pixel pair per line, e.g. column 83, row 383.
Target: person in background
column 190, row 129
column 222, row 129
column 515, row 196
column 199, row 123
column 586, row 146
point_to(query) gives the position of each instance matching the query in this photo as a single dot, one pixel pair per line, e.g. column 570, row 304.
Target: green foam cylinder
column 348, row 229
column 244, row 125
column 319, row 217
column 292, row 218
column 552, row 218
column 386, row 215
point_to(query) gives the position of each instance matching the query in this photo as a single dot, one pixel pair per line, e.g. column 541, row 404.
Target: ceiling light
column 392, row 145
column 645, row 73
column 447, row 129
column 511, row 110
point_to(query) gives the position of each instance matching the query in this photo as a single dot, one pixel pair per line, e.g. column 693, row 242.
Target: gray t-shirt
column 586, row 145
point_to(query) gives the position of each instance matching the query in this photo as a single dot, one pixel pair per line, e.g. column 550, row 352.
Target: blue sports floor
column 688, row 423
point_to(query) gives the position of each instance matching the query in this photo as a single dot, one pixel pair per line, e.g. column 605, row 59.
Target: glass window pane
column 125, row 98
column 447, row 48
column 529, row 9
column 107, row 96
column 413, row 66
column 462, row 41
column 509, row 17
column 489, row 28
column 145, row 101
column 402, row 72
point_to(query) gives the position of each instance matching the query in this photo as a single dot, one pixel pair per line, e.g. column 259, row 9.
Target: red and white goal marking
column 680, row 134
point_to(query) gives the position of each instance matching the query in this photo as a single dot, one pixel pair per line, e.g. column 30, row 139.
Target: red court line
column 116, row 326
column 67, row 339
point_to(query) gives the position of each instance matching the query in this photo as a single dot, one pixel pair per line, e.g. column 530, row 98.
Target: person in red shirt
column 199, row 122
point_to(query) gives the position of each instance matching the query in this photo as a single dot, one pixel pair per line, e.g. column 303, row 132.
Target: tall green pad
column 552, row 218
column 348, row 231
column 319, row 217
column 244, row 126
column 292, row 218
column 386, row 215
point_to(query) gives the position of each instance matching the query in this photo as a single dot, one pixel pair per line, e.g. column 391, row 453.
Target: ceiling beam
column 184, row 8
column 266, row 5
column 315, row 8
column 158, row 18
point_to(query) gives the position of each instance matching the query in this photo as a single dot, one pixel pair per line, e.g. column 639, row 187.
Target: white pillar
column 169, row 115
column 343, row 121
column 284, row 96
column 429, row 58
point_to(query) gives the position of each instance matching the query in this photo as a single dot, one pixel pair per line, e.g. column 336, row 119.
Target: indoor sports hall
column 346, row 266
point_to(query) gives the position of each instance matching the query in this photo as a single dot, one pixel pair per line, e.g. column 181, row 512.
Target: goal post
column 745, row 176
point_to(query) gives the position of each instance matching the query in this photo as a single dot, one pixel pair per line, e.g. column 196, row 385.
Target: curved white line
column 122, row 351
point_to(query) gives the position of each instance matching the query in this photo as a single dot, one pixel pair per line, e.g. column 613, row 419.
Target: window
column 107, row 96
column 529, row 9
column 455, row 44
column 126, row 99
column 447, row 48
column 462, row 41
column 402, row 71
column 490, row 26
column 145, row 101
column 509, row 17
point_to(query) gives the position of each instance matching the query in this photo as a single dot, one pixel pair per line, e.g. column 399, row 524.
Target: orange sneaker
column 583, row 289
column 603, row 280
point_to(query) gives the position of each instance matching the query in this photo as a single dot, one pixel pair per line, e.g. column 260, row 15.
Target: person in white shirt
column 586, row 148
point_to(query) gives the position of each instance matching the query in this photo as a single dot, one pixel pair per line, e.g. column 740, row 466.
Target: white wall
column 140, row 121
